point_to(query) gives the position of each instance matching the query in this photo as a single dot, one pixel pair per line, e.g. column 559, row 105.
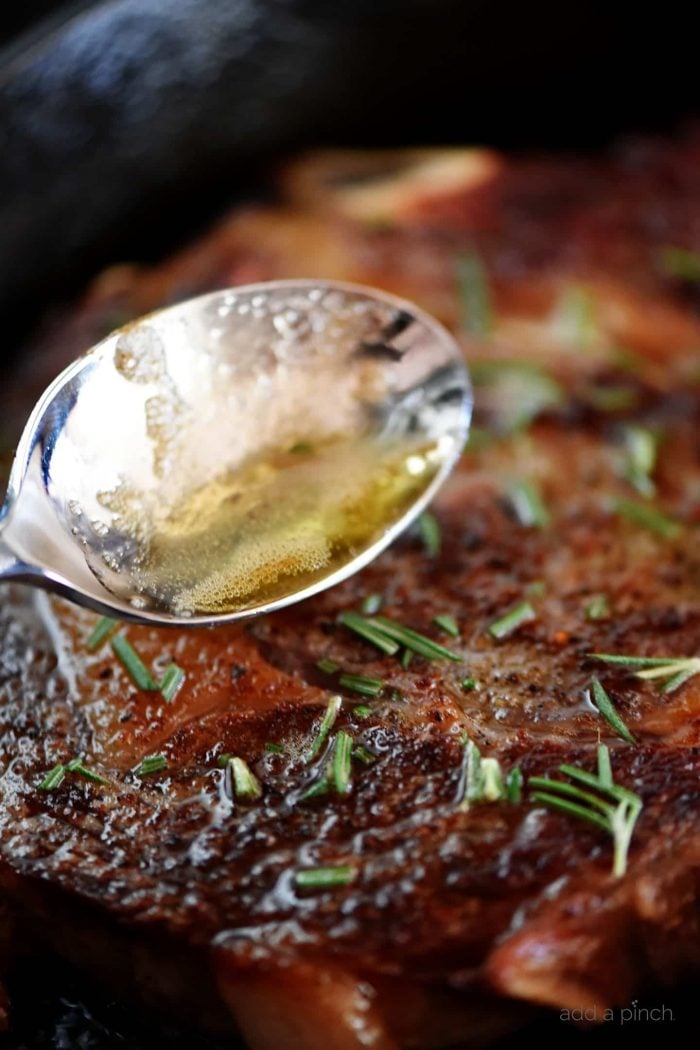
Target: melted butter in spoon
column 280, row 523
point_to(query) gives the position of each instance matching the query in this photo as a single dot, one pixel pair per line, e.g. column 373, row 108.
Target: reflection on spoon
column 234, row 453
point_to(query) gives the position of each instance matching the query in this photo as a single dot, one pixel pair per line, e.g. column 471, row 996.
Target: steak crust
column 458, row 920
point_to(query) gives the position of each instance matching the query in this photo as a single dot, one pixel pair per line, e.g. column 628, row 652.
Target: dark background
column 125, row 125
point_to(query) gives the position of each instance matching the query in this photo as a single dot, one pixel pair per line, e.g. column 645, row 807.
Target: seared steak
column 438, row 918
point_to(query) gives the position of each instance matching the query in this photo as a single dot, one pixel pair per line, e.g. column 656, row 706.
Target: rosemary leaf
column 101, row 632
column 447, row 623
column 648, row 518
column 474, row 294
column 617, row 817
column 368, row 630
column 172, row 679
column 642, row 446
column 512, row 620
column 514, row 785
column 598, row 608
column 606, row 707
column 364, row 755
column 152, row 764
column 681, row 263
column 325, row 878
column 329, row 717
column 342, row 762
column 431, row 534
column 411, row 639
column 133, row 664
column 77, row 766
column 360, row 683
column 371, row 604
column 327, row 666
column 528, row 505
column 246, row 784
column 54, row 778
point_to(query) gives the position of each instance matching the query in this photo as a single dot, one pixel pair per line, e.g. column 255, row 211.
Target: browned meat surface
column 456, row 918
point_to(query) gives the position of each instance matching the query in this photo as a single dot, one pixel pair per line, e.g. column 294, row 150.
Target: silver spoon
column 234, row 453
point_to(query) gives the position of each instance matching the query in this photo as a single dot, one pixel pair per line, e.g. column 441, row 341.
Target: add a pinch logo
column 631, row 1014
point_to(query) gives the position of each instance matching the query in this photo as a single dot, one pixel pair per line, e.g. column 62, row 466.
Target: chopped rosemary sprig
column 447, row 623
column 512, row 620
column 342, row 762
column 576, row 317
column 369, row 631
column 515, row 393
column 598, row 608
column 430, row 533
column 642, row 447
column 681, row 263
column 514, row 785
column 325, row 878
column 634, row 661
column 133, row 664
column 468, row 684
column 527, row 504
column 327, row 666
column 274, row 749
column 681, row 673
column 54, row 778
column 675, row 669
column 648, row 517
column 101, row 632
column 152, row 764
column 360, row 683
column 388, row 636
column 316, row 789
column 371, row 604
column 364, row 755
column 607, row 709
column 411, row 639
column 245, row 784
column 337, row 772
column 329, row 717
column 482, row 780
column 362, row 711
column 492, row 785
column 611, row 397
column 77, row 766
column 172, row 679
column 471, row 774
column 605, row 776
column 474, row 294
column 478, row 439
column 617, row 817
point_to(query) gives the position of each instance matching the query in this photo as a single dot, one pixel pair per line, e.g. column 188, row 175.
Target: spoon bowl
column 234, row 453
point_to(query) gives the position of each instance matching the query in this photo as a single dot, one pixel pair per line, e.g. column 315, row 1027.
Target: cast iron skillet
column 125, row 124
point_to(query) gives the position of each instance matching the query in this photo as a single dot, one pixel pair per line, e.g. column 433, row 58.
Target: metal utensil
column 166, row 404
